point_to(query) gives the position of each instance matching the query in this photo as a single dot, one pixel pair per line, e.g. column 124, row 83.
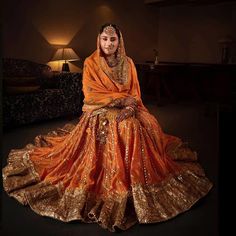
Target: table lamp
column 65, row 54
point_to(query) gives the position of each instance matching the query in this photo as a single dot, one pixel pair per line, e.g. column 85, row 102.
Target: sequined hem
column 19, row 174
column 141, row 204
column 172, row 196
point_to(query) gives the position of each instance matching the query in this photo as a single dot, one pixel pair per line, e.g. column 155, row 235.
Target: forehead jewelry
column 109, row 30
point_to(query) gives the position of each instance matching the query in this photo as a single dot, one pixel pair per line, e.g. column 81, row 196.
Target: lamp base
column 65, row 67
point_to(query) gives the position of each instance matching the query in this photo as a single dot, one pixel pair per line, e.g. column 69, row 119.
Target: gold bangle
column 130, row 108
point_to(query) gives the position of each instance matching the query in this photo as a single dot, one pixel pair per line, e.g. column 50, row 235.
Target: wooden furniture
column 184, row 81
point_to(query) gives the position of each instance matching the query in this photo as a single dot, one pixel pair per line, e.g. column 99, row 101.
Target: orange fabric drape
column 99, row 90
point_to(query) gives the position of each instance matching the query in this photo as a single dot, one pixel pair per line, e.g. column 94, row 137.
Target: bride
column 115, row 167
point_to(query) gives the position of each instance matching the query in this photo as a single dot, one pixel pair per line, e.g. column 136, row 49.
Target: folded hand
column 123, row 102
column 130, row 101
column 124, row 114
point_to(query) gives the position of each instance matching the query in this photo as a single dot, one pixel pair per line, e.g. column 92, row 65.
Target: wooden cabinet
column 185, row 81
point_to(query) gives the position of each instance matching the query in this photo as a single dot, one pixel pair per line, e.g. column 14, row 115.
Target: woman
column 116, row 167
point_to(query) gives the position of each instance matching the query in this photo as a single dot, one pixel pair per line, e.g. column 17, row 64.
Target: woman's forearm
column 123, row 102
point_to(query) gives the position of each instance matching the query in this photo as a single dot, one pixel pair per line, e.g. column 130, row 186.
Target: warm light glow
column 57, row 32
column 61, row 59
column 65, row 54
column 58, row 22
column 57, row 65
column 58, row 35
column 54, row 40
column 105, row 13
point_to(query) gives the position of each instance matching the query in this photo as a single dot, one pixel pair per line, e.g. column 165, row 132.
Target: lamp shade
column 65, row 54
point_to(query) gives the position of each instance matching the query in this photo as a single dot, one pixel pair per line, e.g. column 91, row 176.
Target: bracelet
column 115, row 103
column 130, row 108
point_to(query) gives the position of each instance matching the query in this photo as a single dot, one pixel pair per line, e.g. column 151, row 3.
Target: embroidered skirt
column 115, row 174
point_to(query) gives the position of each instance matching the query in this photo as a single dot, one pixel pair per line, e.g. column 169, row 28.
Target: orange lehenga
column 115, row 174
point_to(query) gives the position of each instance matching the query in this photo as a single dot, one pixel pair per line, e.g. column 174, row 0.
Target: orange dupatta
column 98, row 86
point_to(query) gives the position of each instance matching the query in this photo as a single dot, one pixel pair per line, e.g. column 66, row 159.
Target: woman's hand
column 123, row 102
column 125, row 113
column 130, row 101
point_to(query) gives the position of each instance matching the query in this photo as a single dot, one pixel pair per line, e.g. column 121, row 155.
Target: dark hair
column 113, row 25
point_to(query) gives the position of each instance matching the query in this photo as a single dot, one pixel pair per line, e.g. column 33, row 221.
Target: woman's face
column 109, row 41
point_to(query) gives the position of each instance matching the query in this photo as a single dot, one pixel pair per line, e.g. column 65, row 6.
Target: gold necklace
column 111, row 61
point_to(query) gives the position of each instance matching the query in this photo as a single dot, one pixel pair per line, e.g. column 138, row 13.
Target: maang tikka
column 110, row 30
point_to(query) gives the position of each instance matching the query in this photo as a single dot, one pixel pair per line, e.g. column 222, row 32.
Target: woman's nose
column 109, row 42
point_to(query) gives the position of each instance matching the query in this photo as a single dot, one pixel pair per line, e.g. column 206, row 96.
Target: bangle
column 115, row 103
column 130, row 108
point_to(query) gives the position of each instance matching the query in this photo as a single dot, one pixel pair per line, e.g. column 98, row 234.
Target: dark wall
column 192, row 33
column 34, row 29
column 31, row 28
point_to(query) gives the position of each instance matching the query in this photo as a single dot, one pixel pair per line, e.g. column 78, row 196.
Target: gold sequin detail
column 123, row 190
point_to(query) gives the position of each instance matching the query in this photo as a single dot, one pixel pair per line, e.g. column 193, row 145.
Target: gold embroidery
column 135, row 201
column 102, row 129
column 176, row 194
column 149, row 204
column 181, row 151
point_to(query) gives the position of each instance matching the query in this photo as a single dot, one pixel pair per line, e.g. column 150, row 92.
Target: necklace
column 111, row 60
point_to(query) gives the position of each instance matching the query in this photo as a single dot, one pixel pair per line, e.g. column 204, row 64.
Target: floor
column 195, row 123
